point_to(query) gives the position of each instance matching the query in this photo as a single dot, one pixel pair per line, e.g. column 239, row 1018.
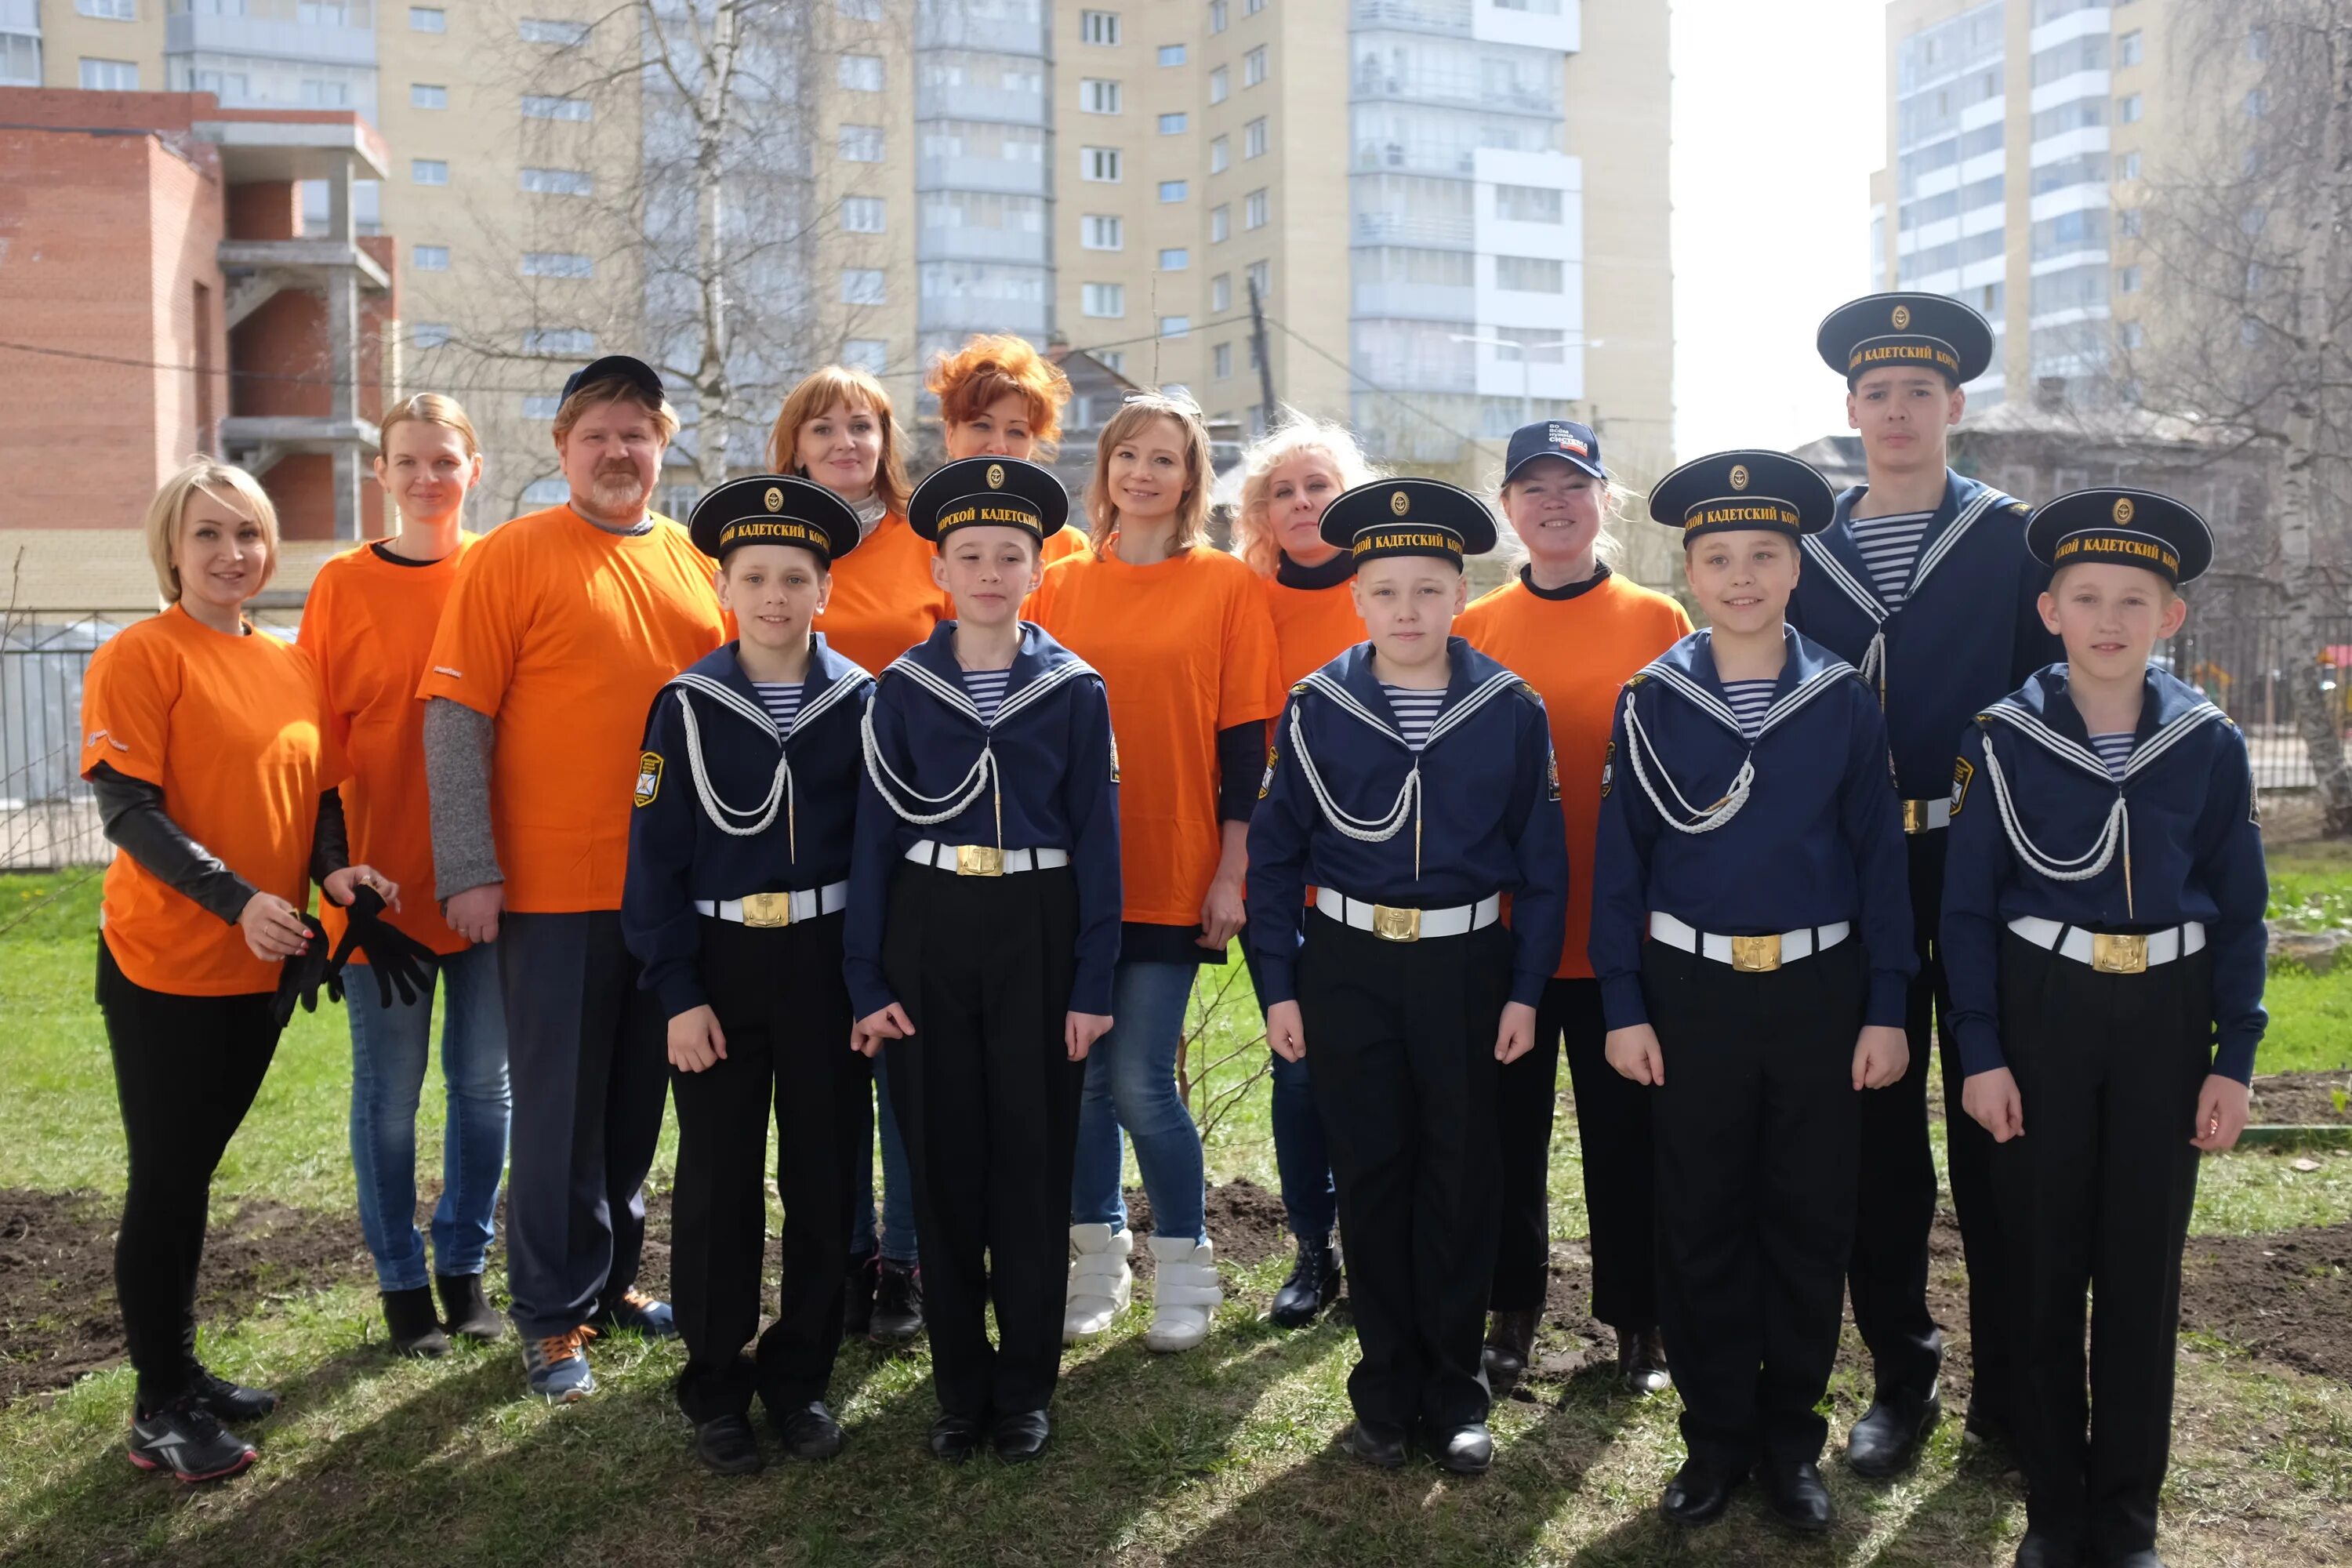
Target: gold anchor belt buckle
column 2118, row 954
column 979, row 860
column 1396, row 925
column 1755, row 954
column 766, row 910
column 1915, row 816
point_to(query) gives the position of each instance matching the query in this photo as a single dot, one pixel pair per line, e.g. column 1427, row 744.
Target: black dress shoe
column 1314, row 1281
column 1799, row 1498
column 955, row 1438
column 1462, row 1450
column 2048, row 1549
column 728, row 1444
column 1021, row 1438
column 1887, row 1440
column 1699, row 1492
column 1510, row 1345
column 1642, row 1362
column 808, row 1431
column 1376, row 1443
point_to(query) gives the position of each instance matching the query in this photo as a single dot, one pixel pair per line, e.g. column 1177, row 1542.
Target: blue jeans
column 898, row 1207
column 1302, row 1156
column 1132, row 1085
column 389, row 1046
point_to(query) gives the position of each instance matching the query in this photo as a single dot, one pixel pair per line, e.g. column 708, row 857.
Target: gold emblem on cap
column 1902, row 317
column 1399, row 502
column 774, row 498
column 1739, row 476
column 996, row 476
column 2124, row 509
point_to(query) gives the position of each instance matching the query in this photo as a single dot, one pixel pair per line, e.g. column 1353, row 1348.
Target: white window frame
column 1217, row 15
column 1102, row 231
column 1254, row 139
column 428, row 19
column 865, row 214
column 1183, row 262
column 561, row 32
column 1254, row 67
column 865, row 286
column 1221, row 85
column 1174, row 190
column 1099, row 28
column 98, row 75
column 1221, row 361
column 428, row 95
column 540, row 106
column 1257, row 209
column 557, row 264
column 1099, row 95
column 1171, row 55
column 1175, row 326
column 1175, row 123
column 1101, row 165
column 1220, row 224
column 861, row 73
column 1220, row 154
column 861, row 143
column 429, row 257
column 1103, row 301
column 108, row 10
column 541, row 181
column 1221, row 293
column 428, row 171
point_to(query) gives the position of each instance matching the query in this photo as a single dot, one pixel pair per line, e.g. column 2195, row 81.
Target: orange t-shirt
column 1065, row 542
column 564, row 632
column 1312, row 627
column 369, row 624
column 1576, row 654
column 884, row 600
column 1186, row 649
column 232, row 728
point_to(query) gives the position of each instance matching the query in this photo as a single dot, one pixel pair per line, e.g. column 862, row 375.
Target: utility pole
column 1258, row 347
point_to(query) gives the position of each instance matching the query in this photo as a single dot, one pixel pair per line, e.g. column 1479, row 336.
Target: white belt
column 1927, row 816
column 1392, row 925
column 1749, row 955
column 983, row 859
column 2110, row 953
column 764, row 910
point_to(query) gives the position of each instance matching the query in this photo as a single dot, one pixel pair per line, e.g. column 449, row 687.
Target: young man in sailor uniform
column 1410, row 784
column 738, row 872
column 2103, row 930
column 1748, row 831
column 1920, row 581
column 983, row 925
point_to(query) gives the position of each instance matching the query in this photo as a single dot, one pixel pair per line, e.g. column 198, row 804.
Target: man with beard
column 562, row 626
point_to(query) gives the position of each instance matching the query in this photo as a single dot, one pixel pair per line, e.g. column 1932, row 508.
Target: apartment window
column 859, row 73
column 2127, row 280
column 2131, row 334
column 1220, row 85
column 1251, row 7
column 1103, row 298
column 428, row 334
column 428, row 171
column 1099, row 28
column 1173, row 124
column 1216, row 15
column 1221, row 293
column 2258, row 43
column 20, row 60
column 430, row 95
column 1099, row 164
column 1254, row 207
column 1097, row 96
column 232, row 88
column 861, row 143
column 539, row 30
column 1097, row 232
column 869, row 354
column 862, row 215
column 1253, row 138
column 108, row 10
column 559, row 340
column 536, row 406
column 428, row 19
column 546, row 492
column 1175, row 327
column 1221, row 361
column 2128, row 49
column 1173, row 189
column 1171, row 54
column 2127, row 222
column 1527, row 204
column 2254, row 104
column 1175, row 260
column 557, row 264
column 862, row 286
column 1254, row 67
column 2127, row 166
column 578, row 109
column 432, row 259
column 559, row 182
column 2127, row 110
column 1261, row 277
column 1114, row 361
column 1220, row 154
column 109, row 76
column 860, row 10
column 1220, row 225
column 326, row 95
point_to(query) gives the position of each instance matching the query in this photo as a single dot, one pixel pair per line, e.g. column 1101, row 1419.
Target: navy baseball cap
column 1554, row 438
column 636, row 371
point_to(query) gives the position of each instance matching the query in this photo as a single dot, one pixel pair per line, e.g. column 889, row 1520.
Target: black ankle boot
column 465, row 1310
column 1314, row 1281
column 415, row 1331
column 1510, row 1345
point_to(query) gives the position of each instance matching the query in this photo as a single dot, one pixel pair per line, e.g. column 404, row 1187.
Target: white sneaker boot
column 1185, row 1294
column 1101, row 1284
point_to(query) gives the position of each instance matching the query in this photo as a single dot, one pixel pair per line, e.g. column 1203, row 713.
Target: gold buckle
column 979, row 860
column 1755, row 954
column 1915, row 816
column 2118, row 954
column 1396, row 925
column 766, row 910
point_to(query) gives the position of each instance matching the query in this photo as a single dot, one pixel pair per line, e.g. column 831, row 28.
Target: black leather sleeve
column 330, row 843
column 132, row 813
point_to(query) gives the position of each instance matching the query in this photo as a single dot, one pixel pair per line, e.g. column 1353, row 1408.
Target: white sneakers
column 1185, row 1294
column 1101, row 1284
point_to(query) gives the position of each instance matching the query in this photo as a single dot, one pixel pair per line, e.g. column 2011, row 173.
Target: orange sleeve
column 334, row 754
column 126, row 706
column 481, row 628
column 1250, row 681
column 317, row 637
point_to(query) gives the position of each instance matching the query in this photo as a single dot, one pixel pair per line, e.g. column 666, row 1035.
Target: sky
column 1780, row 116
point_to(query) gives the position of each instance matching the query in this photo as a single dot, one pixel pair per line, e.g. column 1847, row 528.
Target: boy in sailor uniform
column 1410, row 784
column 1748, row 831
column 984, row 926
column 1919, row 580
column 2102, row 928
column 739, row 871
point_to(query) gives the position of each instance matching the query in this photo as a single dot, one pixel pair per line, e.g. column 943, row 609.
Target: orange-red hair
column 990, row 367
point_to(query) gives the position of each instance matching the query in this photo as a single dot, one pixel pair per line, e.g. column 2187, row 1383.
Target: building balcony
column 1374, row 86
column 1416, row 301
column 311, row 43
column 995, row 106
column 957, row 313
column 1410, row 228
column 968, row 172
column 961, row 243
column 1449, row 17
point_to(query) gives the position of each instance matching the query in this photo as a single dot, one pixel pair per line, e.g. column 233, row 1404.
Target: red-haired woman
column 999, row 398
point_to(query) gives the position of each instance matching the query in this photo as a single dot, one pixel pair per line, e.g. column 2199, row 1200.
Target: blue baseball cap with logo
column 1554, row 438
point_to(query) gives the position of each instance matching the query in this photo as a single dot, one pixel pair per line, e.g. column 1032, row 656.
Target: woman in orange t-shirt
column 214, row 769
column 1288, row 476
column 999, row 398
column 1179, row 632
column 837, row 428
column 1574, row 630
column 369, row 624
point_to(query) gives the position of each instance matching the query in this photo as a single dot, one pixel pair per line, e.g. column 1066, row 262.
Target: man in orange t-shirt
column 561, row 628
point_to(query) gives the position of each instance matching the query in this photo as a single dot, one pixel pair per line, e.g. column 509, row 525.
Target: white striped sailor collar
column 1835, row 553
column 1688, row 669
column 1039, row 666
column 2043, row 710
column 1472, row 680
column 831, row 681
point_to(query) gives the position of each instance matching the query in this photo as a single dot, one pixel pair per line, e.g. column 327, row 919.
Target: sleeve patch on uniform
column 649, row 771
column 1608, row 771
column 1551, row 771
column 1114, row 759
column 1265, row 780
column 1963, row 772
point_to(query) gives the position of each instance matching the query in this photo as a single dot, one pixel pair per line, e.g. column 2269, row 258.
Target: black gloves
column 299, row 977
column 397, row 959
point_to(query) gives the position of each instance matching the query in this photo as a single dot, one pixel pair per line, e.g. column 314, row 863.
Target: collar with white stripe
column 1854, row 582
column 951, row 694
column 845, row 684
column 2182, row 720
column 1677, row 670
column 1453, row 717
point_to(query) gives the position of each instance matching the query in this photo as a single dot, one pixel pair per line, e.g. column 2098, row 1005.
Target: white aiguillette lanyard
column 780, row 785
column 983, row 773
column 1707, row 819
column 1368, row 830
column 1874, row 657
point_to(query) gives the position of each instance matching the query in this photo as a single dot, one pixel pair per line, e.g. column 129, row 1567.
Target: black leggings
column 185, row 1069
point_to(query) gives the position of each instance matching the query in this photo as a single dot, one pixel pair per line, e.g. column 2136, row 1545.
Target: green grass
column 2311, row 1014
column 1221, row 1457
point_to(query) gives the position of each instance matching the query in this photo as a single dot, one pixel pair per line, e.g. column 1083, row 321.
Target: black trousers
column 185, row 1071
column 1755, row 1131
column 1402, row 1036
column 1612, row 1127
column 586, row 1052
column 2096, row 1197
column 988, row 1100
column 784, row 1010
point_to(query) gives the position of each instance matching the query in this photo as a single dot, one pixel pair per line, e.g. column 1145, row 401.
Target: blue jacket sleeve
column 657, row 917
column 2229, row 864
column 872, row 857
column 1629, row 826
column 1539, row 903
column 1277, row 895
column 1874, row 834
column 1976, row 865
column 1091, row 798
